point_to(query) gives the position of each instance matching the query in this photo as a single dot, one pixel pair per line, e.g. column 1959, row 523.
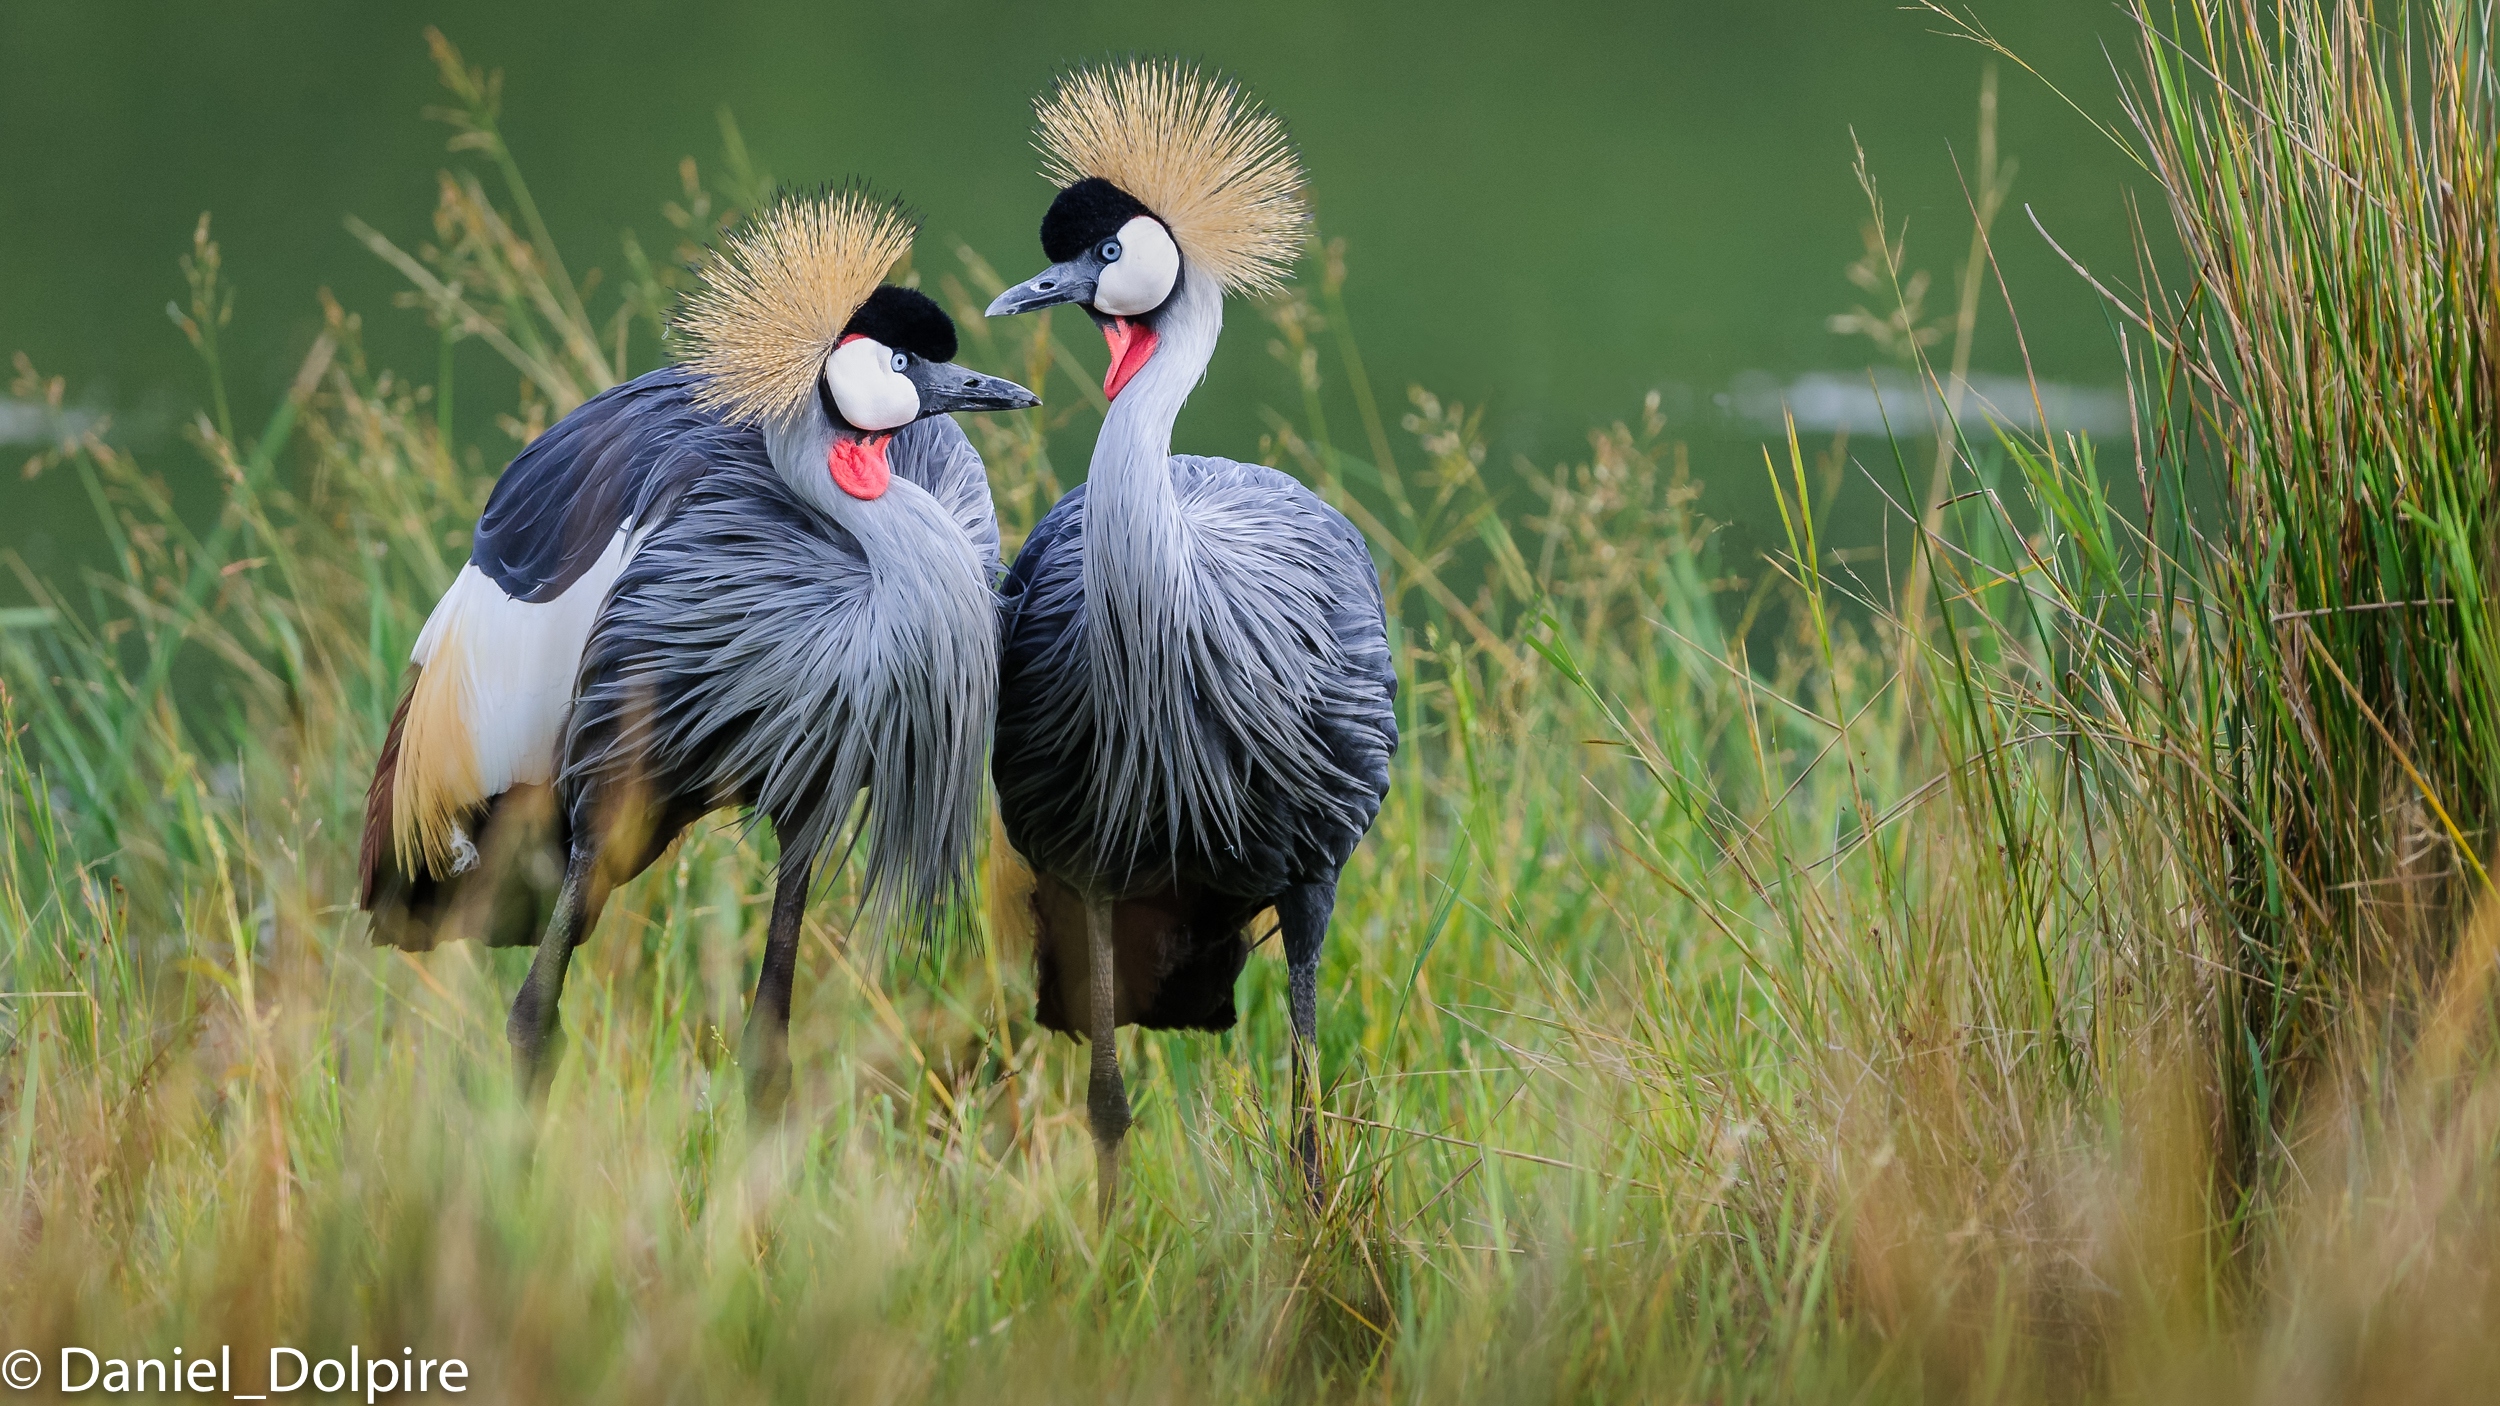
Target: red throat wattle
column 858, row 465
column 1130, row 343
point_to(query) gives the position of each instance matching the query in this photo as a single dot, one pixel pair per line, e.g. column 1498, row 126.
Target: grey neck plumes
column 1131, row 474
column 897, row 534
column 904, row 532
column 798, row 448
column 910, row 660
column 1154, row 769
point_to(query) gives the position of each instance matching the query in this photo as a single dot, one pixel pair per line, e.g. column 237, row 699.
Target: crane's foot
column 764, row 1054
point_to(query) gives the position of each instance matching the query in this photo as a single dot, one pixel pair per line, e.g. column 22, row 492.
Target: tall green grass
column 2052, row 970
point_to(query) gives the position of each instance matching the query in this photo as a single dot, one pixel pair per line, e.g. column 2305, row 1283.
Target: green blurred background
column 1550, row 209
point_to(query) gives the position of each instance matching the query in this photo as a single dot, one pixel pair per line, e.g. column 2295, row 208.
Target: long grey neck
column 1136, row 538
column 1143, row 615
column 919, row 655
column 798, row 450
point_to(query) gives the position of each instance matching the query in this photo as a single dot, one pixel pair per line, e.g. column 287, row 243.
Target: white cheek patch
column 1141, row 278
column 866, row 388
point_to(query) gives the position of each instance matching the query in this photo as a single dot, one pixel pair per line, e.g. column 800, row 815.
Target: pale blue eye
column 898, row 361
column 1111, row 251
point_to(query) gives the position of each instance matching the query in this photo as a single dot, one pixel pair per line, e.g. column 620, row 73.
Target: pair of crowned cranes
column 770, row 578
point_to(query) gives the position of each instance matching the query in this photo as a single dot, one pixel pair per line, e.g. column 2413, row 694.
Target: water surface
column 1551, row 209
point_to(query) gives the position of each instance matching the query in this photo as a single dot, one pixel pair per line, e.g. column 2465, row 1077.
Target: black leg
column 536, row 1034
column 1106, row 1097
column 765, row 1051
column 1303, row 911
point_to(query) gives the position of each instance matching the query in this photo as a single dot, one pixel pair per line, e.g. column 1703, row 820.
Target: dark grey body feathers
column 757, row 652
column 1291, row 698
column 637, row 453
column 1293, row 692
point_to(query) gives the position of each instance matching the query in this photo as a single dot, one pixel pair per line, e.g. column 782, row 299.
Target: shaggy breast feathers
column 1291, row 688
column 756, row 652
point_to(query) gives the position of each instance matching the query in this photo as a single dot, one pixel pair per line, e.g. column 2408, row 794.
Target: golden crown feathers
column 774, row 297
column 1210, row 162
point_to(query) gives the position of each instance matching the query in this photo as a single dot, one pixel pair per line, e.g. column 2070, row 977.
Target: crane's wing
column 1048, row 550
column 1291, row 552
column 496, row 660
column 618, row 458
column 935, row 454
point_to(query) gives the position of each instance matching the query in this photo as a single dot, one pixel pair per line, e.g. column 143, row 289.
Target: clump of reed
column 2054, row 970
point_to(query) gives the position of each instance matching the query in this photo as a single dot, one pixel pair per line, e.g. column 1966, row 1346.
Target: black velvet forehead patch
column 905, row 319
column 1084, row 215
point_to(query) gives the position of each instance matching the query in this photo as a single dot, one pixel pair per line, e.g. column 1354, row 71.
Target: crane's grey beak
column 945, row 387
column 1071, row 282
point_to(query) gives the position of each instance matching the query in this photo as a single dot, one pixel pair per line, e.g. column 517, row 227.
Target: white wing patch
column 495, row 677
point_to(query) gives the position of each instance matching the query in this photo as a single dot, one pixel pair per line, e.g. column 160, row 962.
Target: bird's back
column 459, row 786
column 621, row 456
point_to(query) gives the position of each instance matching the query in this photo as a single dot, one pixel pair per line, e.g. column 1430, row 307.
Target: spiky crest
column 776, row 295
column 1207, row 159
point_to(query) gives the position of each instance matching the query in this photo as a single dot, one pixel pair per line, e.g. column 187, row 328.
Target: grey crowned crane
column 765, row 578
column 1197, row 702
